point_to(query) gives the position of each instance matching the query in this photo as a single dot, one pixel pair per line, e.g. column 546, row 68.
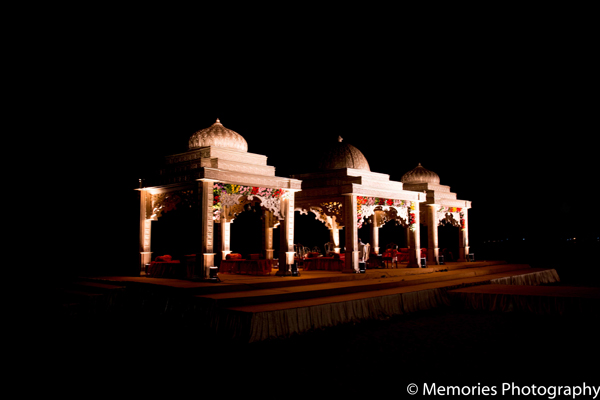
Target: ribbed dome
column 420, row 175
column 218, row 136
column 343, row 155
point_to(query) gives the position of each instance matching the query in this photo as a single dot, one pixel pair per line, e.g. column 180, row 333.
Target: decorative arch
column 451, row 216
column 165, row 202
column 229, row 200
column 402, row 211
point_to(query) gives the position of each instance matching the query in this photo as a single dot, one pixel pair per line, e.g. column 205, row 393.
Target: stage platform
column 544, row 300
column 255, row 308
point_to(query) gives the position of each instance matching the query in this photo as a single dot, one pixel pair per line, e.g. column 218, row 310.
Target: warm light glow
column 289, row 257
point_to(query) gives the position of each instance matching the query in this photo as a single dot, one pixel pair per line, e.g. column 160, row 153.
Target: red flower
column 390, row 202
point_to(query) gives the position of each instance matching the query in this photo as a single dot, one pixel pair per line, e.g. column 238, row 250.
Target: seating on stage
column 402, row 254
column 331, row 262
column 391, row 256
column 301, row 253
column 165, row 267
column 252, row 265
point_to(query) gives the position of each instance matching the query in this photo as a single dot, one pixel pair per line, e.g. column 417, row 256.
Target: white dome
column 218, row 136
column 420, row 175
column 343, row 155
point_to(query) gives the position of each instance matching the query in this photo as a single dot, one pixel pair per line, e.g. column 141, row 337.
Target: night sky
column 512, row 135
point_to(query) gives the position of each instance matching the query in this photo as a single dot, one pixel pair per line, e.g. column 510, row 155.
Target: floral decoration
column 221, row 188
column 380, row 201
column 455, row 210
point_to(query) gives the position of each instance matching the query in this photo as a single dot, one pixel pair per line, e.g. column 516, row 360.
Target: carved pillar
column 225, row 238
column 433, row 250
column 375, row 234
column 286, row 237
column 414, row 242
column 206, row 259
column 334, row 237
column 145, row 229
column 463, row 238
column 268, row 223
column 351, row 228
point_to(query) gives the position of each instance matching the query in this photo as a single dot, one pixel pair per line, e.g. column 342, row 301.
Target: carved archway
column 172, row 215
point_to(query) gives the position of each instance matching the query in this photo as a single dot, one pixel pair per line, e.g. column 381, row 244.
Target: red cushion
column 233, row 256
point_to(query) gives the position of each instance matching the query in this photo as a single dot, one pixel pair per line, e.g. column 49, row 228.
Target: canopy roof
column 342, row 155
column 420, row 175
column 217, row 135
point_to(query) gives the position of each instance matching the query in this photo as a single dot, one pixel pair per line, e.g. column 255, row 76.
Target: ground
column 444, row 346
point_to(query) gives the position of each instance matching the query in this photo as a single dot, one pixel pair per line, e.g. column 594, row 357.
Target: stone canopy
column 217, row 176
column 338, row 195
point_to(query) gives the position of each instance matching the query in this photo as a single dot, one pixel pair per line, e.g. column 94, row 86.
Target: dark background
column 508, row 125
column 500, row 103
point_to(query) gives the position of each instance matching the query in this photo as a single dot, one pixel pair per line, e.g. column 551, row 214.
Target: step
column 231, row 282
column 447, row 284
column 92, row 286
column 79, row 297
column 536, row 299
column 263, row 321
column 302, row 292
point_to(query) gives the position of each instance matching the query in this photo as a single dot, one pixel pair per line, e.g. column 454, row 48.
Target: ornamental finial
column 340, row 139
column 218, row 122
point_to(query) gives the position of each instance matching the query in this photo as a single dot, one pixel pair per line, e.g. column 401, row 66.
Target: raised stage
column 255, row 308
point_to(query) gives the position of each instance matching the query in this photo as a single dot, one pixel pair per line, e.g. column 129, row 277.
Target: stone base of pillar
column 414, row 258
column 462, row 253
column 287, row 268
column 269, row 254
column 202, row 271
column 414, row 265
column 145, row 258
column 433, row 256
column 351, row 264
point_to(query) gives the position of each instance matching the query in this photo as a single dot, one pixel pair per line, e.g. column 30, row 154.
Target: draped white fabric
column 286, row 322
column 536, row 278
column 256, row 326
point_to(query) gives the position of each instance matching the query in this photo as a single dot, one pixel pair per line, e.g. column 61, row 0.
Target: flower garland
column 455, row 210
column 221, row 188
column 380, row 201
column 412, row 217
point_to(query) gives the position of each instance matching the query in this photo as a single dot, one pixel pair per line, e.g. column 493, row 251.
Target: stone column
column 463, row 238
column 286, row 237
column 433, row 247
column 225, row 237
column 268, row 223
column 206, row 259
column 334, row 237
column 145, row 229
column 375, row 234
column 414, row 242
column 351, row 228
